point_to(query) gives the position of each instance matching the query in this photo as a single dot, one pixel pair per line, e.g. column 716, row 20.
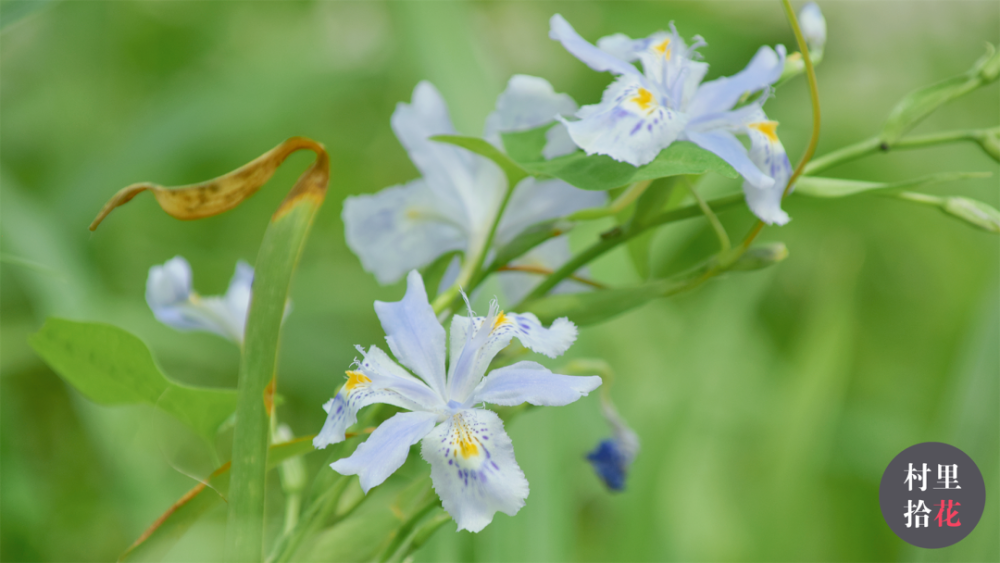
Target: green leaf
column 157, row 540
column 814, row 186
column 649, row 204
column 597, row 306
column 511, row 169
column 920, row 103
column 531, row 237
column 111, row 366
column 600, row 172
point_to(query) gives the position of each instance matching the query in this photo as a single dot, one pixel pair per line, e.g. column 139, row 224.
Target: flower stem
column 813, row 139
column 615, row 237
column 444, row 301
column 720, row 231
column 875, row 145
column 630, row 194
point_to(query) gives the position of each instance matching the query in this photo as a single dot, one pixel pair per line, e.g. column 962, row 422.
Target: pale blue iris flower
column 472, row 460
column 452, row 206
column 642, row 113
column 175, row 304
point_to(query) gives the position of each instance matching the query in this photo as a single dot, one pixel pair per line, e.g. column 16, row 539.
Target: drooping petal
column 529, row 102
column 535, row 265
column 530, row 382
column 473, row 468
column 175, row 304
column 558, row 142
column 400, row 228
column 469, row 187
column 721, row 94
column 631, row 124
column 414, row 334
column 595, row 58
column 725, row 145
column 536, row 200
column 622, row 46
column 386, row 450
column 813, row 26
column 359, row 392
column 485, row 337
column 168, row 284
column 768, row 154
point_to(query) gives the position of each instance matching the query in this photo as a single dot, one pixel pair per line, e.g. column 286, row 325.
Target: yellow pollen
column 768, row 128
column 412, row 213
column 644, row 99
column 355, row 378
column 501, row 318
column 662, row 48
column 794, row 57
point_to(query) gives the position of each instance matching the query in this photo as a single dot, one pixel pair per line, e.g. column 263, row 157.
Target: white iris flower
column 642, row 113
column 472, row 460
column 452, row 206
column 177, row 305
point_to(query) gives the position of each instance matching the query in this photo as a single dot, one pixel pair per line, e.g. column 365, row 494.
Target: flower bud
column 991, row 143
column 989, row 65
column 974, row 212
column 760, row 257
column 813, row 26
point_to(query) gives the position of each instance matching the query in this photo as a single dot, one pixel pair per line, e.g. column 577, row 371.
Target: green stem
column 279, row 253
column 630, row 194
column 720, row 231
column 813, row 139
column 444, row 301
column 406, row 529
column 875, row 145
column 616, row 237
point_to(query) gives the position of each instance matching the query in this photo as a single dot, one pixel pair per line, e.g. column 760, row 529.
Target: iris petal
column 473, row 468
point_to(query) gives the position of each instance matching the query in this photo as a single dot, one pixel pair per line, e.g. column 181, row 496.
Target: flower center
column 663, row 48
column 644, row 99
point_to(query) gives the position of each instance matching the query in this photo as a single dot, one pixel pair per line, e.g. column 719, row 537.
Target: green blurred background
column 768, row 404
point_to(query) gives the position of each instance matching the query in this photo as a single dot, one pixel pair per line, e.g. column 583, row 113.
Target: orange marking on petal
column 768, row 128
column 355, row 378
column 644, row 99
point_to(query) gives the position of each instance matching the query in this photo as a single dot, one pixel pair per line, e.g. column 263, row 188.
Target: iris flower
column 642, row 113
column 453, row 205
column 472, row 459
column 177, row 305
column 613, row 456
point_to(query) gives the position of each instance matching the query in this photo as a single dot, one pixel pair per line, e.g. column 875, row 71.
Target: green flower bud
column 991, row 143
column 989, row 65
column 760, row 257
column 974, row 212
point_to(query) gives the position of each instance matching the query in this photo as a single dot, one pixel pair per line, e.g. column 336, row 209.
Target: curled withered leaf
column 221, row 194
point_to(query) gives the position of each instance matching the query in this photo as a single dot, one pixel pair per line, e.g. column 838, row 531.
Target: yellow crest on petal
column 768, row 128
